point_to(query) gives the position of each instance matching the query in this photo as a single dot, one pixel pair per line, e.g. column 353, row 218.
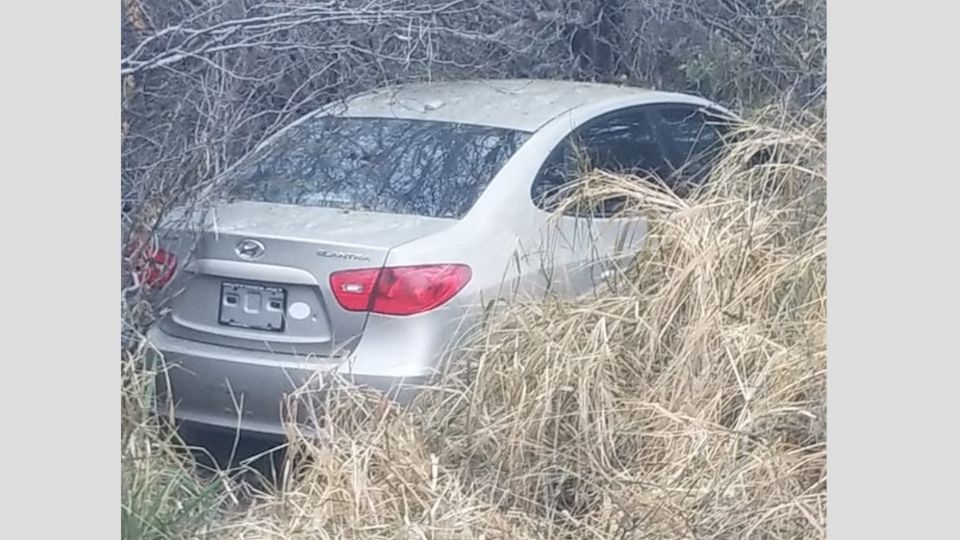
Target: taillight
column 354, row 288
column 153, row 266
column 399, row 290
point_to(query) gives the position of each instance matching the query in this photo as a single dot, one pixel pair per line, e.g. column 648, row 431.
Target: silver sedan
column 368, row 236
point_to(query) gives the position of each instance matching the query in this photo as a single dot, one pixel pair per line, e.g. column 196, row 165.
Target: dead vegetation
column 686, row 401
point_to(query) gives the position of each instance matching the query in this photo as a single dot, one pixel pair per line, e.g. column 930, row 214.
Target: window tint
column 623, row 143
column 427, row 168
column 693, row 139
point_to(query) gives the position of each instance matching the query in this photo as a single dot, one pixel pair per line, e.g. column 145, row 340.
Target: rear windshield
column 426, row 168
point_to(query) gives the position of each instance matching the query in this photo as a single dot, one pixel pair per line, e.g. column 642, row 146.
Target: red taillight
column 399, row 290
column 153, row 266
column 354, row 288
column 159, row 269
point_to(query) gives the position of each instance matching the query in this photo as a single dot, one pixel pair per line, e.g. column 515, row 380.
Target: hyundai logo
column 250, row 249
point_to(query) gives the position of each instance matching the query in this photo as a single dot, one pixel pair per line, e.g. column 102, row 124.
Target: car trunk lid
column 259, row 275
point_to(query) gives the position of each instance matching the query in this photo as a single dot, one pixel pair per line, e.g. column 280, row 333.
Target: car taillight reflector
column 399, row 290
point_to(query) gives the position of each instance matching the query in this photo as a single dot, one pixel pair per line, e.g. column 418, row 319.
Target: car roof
column 519, row 104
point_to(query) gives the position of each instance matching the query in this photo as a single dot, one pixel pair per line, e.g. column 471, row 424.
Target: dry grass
column 162, row 494
column 688, row 401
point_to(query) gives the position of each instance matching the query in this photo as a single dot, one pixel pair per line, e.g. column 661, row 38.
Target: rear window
column 426, row 168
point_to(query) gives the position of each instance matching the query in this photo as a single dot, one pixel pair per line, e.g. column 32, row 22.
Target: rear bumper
column 238, row 389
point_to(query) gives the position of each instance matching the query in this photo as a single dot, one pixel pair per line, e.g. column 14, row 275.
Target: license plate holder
column 252, row 306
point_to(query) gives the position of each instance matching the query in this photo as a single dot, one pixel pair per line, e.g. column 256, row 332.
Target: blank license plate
column 256, row 307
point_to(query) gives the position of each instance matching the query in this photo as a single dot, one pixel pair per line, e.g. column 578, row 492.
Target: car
column 371, row 235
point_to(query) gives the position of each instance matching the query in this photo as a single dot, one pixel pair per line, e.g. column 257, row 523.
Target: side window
column 693, row 140
column 625, row 143
column 622, row 142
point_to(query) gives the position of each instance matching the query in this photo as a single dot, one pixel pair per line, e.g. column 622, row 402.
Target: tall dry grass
column 686, row 401
column 162, row 494
column 689, row 400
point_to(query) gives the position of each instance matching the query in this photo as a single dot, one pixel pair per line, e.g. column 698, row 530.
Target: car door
column 587, row 244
